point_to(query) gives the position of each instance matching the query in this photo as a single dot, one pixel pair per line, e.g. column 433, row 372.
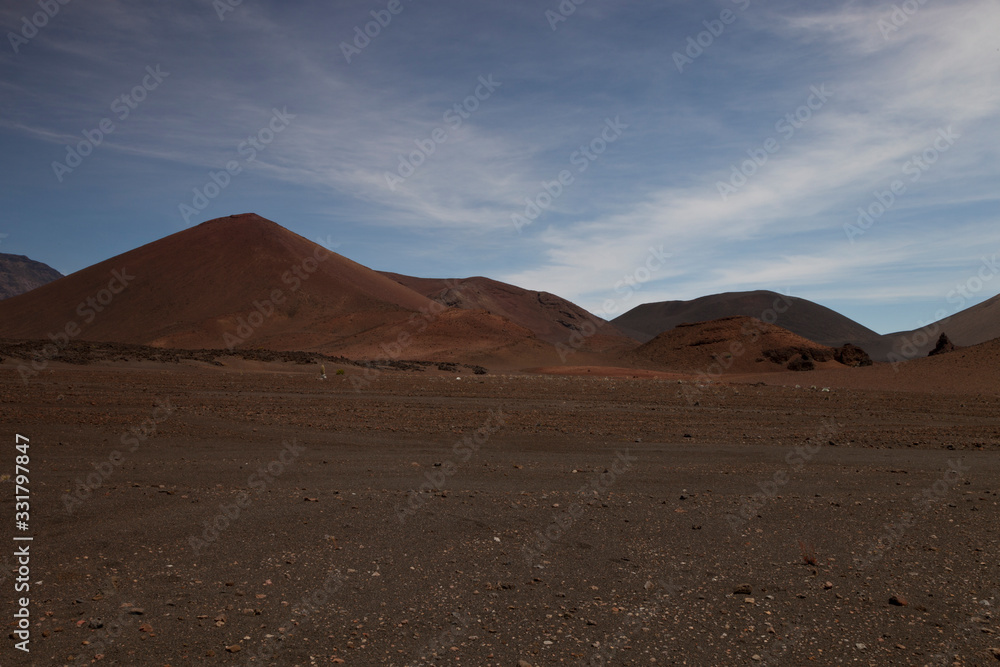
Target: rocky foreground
column 187, row 513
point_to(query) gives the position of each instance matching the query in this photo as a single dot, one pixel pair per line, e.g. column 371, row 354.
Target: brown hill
column 465, row 336
column 971, row 326
column 966, row 370
column 971, row 369
column 735, row 345
column 194, row 287
column 817, row 323
column 20, row 274
column 244, row 281
column 551, row 318
column 800, row 316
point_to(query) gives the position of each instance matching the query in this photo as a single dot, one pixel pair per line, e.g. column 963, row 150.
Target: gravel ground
column 190, row 514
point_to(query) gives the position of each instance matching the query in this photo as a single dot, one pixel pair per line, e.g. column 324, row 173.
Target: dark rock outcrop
column 943, row 345
column 852, row 355
column 781, row 355
column 801, row 363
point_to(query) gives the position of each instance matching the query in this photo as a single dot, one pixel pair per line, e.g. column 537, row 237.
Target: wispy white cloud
column 657, row 186
column 935, row 72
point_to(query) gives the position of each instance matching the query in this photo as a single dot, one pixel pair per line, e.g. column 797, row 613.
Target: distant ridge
column 974, row 325
column 800, row 316
column 733, row 345
column 20, row 274
column 243, row 281
column 971, row 326
column 552, row 318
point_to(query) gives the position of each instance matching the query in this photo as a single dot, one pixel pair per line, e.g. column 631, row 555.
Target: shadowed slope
column 731, row 345
column 244, row 281
column 191, row 288
column 550, row 317
column 974, row 325
column 20, row 274
column 800, row 316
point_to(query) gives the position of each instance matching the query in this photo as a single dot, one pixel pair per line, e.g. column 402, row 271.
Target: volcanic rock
column 943, row 346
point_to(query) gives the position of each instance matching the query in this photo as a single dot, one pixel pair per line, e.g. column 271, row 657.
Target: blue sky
column 868, row 88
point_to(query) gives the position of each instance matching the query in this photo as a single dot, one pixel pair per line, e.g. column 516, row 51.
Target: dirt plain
column 251, row 513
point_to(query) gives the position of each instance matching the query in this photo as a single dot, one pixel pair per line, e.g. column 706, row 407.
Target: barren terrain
column 251, row 513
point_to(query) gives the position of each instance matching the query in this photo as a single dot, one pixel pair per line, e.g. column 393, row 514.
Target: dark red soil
column 660, row 500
